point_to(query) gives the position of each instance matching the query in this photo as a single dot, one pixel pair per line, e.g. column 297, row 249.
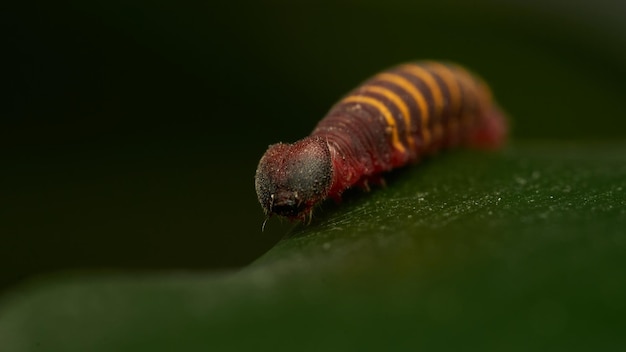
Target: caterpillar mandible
column 391, row 120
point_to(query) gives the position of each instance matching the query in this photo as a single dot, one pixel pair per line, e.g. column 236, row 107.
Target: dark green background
column 130, row 131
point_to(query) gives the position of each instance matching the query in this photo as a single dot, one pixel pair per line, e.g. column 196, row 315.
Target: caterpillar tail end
column 493, row 132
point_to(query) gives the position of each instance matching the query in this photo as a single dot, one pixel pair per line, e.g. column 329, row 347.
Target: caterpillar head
column 292, row 178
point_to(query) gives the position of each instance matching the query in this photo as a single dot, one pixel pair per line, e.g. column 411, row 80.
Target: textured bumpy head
column 292, row 178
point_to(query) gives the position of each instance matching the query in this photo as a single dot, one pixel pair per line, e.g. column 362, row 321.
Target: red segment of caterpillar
column 393, row 119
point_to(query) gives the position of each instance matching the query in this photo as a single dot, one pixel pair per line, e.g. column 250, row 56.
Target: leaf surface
column 516, row 250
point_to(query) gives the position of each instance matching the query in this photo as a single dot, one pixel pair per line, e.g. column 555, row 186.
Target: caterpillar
column 393, row 119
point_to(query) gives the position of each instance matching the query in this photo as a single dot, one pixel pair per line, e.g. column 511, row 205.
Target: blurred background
column 130, row 130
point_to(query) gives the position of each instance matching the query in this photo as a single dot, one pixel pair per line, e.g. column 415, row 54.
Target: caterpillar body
column 391, row 120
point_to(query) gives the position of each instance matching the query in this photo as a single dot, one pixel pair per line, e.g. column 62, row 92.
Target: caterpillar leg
column 375, row 180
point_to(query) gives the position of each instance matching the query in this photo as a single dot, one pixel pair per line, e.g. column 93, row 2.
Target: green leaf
column 518, row 250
